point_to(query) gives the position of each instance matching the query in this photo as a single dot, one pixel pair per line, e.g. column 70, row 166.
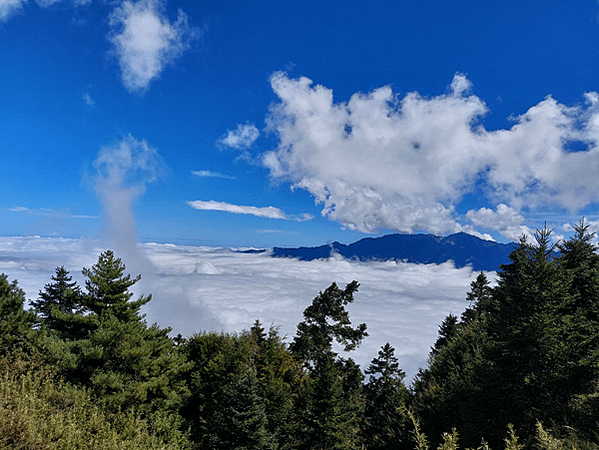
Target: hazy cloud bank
column 379, row 161
column 203, row 288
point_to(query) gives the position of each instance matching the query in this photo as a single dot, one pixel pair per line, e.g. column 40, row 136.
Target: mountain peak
column 462, row 248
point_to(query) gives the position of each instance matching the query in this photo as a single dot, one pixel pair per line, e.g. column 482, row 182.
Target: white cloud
column 270, row 211
column 146, row 42
column 380, row 162
column 202, row 288
column 46, row 3
column 10, row 7
column 89, row 101
column 19, row 209
column 57, row 213
column 209, row 174
column 506, row 220
column 241, row 138
column 122, row 173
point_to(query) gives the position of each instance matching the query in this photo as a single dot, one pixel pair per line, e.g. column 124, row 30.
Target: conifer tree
column 480, row 298
column 16, row 324
column 241, row 418
column 108, row 289
column 62, row 294
column 279, row 377
column 124, row 363
column 59, row 305
column 332, row 401
column 385, row 397
column 577, row 361
column 447, row 331
column 526, row 332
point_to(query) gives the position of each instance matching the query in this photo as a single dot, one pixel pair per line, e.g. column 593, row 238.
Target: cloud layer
column 203, row 288
column 380, row 162
column 146, row 41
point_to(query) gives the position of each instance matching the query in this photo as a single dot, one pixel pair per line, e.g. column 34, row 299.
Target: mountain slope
column 464, row 249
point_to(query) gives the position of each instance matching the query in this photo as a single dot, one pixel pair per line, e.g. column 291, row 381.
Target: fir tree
column 108, row 289
column 332, row 402
column 16, row 324
column 447, row 330
column 385, row 396
column 124, row 363
column 59, row 303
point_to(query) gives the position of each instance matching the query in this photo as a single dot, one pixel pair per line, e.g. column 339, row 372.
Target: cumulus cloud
column 146, row 41
column 506, row 220
column 10, row 7
column 240, row 138
column 269, row 212
column 378, row 161
column 203, row 288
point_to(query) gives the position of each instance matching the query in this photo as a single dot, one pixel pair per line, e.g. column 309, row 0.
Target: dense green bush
column 39, row 412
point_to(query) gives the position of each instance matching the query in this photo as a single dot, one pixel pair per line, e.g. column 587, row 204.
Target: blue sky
column 290, row 123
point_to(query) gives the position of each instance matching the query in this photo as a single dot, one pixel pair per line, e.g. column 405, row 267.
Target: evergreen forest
column 519, row 369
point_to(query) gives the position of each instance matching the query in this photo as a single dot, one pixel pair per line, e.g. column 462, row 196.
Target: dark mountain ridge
column 462, row 248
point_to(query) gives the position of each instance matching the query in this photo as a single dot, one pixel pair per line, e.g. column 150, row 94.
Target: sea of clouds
column 198, row 289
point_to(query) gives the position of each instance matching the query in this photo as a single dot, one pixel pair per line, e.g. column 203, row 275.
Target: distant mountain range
column 462, row 248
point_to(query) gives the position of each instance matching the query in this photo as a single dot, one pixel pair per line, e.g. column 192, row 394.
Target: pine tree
column 279, row 377
column 332, row 401
column 124, row 363
column 62, row 294
column 241, row 417
column 385, row 396
column 16, row 324
column 480, row 298
column 577, row 360
column 527, row 332
column 447, row 331
column 108, row 289
column 58, row 305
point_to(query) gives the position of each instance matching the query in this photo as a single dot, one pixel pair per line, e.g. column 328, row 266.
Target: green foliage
column 39, row 412
column 108, row 289
column 385, row 395
column 511, row 441
column 100, row 341
column 16, row 324
column 332, row 401
column 242, row 390
column 418, row 436
column 280, row 378
column 326, row 320
column 447, row 331
column 524, row 351
column 60, row 298
column 241, row 417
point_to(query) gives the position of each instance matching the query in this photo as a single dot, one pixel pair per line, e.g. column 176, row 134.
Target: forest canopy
column 518, row 368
